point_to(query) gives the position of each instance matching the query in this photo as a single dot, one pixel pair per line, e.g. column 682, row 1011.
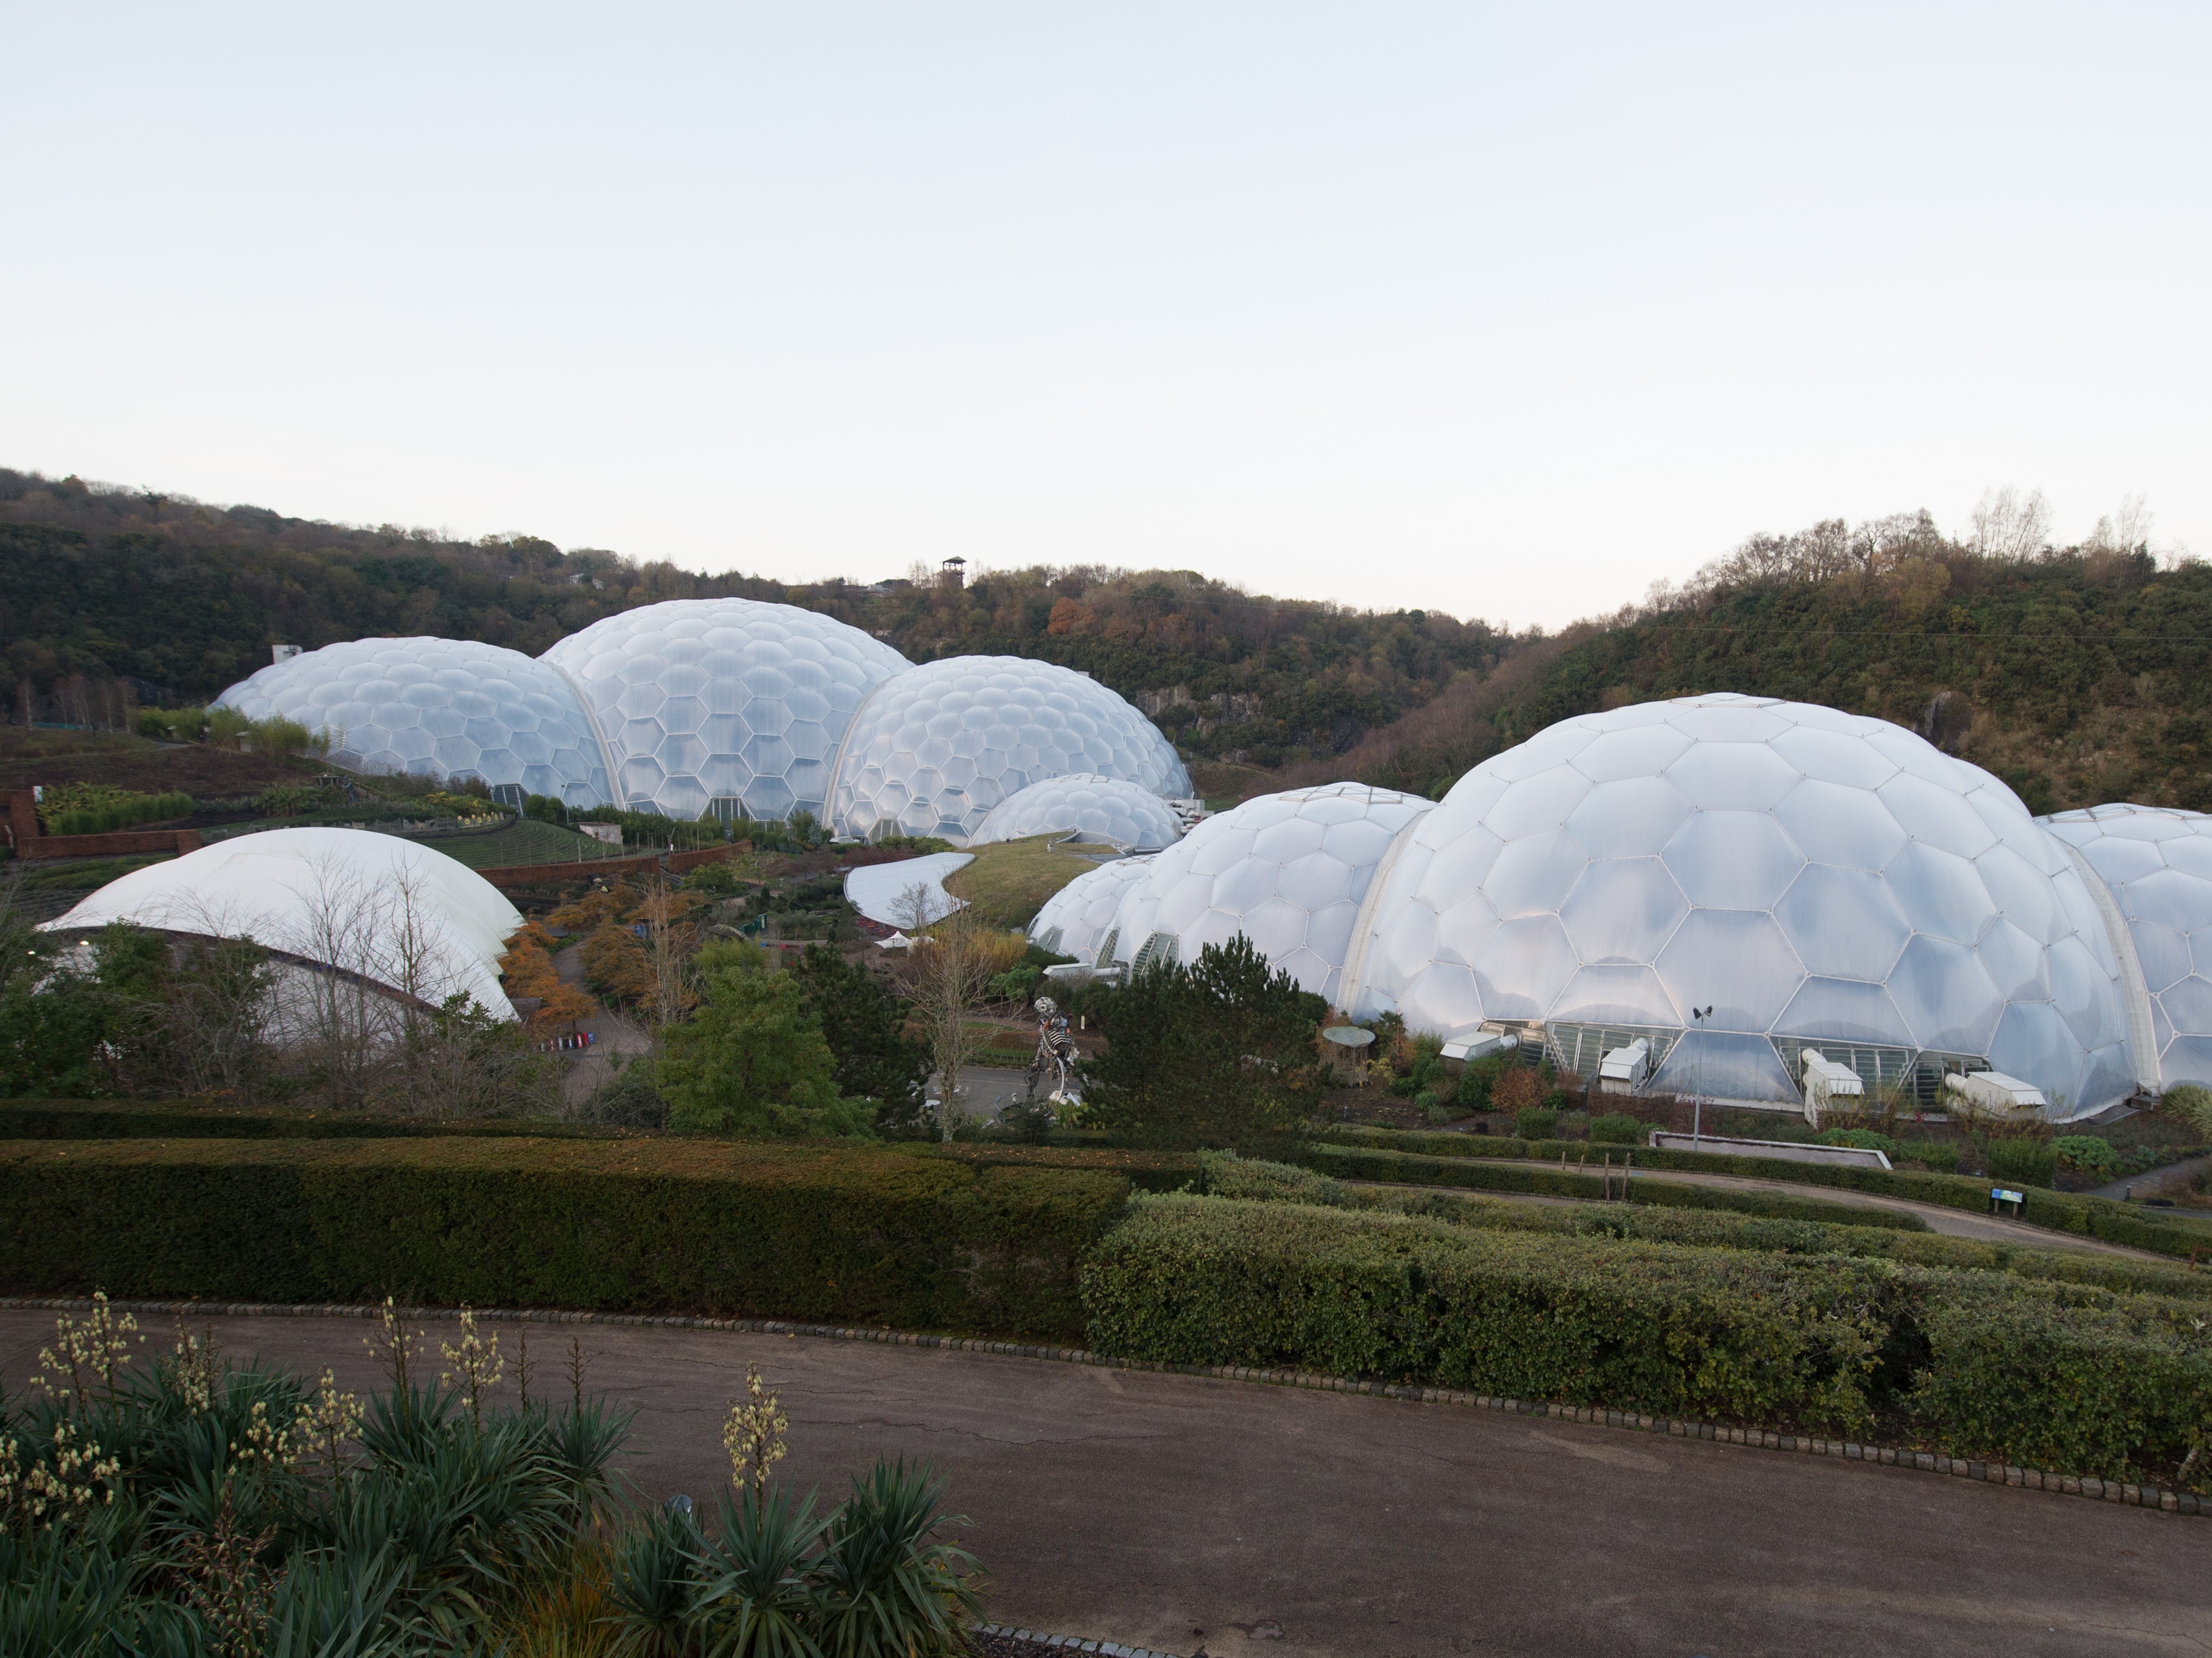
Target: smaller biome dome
column 1077, row 920
column 391, row 910
column 438, row 708
column 1288, row 871
column 725, row 706
column 937, row 749
column 1088, row 807
column 2156, row 863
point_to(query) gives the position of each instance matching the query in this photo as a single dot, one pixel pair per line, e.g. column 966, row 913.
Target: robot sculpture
column 1055, row 1053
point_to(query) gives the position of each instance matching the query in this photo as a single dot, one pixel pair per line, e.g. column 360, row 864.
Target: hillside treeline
column 104, row 592
column 2078, row 674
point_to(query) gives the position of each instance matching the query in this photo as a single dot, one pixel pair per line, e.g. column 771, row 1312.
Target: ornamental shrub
column 1538, row 1123
column 1940, row 1154
column 1618, row 1128
column 1865, row 1139
column 2092, row 1154
column 2017, row 1157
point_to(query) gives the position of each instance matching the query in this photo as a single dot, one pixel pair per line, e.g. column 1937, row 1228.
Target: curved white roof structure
column 1088, row 806
column 1289, row 871
column 723, row 704
column 391, row 910
column 937, row 747
column 1815, row 877
column 2156, row 861
column 445, row 708
column 1079, row 920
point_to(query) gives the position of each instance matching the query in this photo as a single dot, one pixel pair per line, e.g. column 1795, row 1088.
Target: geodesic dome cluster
column 448, row 707
column 1734, row 879
column 1288, row 871
column 937, row 749
column 1089, row 807
column 731, row 706
column 1077, row 921
column 2156, row 863
column 735, row 708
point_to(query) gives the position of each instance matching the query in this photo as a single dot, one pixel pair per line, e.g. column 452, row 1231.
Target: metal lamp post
column 1699, row 1016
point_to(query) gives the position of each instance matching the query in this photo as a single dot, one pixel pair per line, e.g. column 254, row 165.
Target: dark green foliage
column 2048, row 1374
column 2096, row 1217
column 750, row 1061
column 1639, row 1326
column 117, row 808
column 1938, row 1155
column 821, row 1231
column 1581, row 1179
column 1017, row 984
column 1864, row 1139
column 1537, row 1122
column 865, row 1026
column 1216, row 1052
column 2090, row 1153
column 403, row 1539
column 630, row 1098
column 544, row 808
column 1618, row 1128
column 2016, row 1157
column 768, row 1581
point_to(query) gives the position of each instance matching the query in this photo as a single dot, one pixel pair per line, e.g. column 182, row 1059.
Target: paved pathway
column 2171, row 1177
column 1177, row 1512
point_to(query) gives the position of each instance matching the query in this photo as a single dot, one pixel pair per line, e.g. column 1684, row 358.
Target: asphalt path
column 1182, row 1513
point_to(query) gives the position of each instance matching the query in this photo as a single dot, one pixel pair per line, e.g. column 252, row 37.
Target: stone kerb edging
column 1071, row 1642
column 1993, row 1473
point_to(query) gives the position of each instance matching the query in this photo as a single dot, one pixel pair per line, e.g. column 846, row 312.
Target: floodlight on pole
column 1698, row 1015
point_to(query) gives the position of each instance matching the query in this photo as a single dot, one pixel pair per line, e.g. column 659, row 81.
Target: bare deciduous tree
column 945, row 973
column 2009, row 525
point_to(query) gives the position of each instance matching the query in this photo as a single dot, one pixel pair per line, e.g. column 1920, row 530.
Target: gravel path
column 1182, row 1513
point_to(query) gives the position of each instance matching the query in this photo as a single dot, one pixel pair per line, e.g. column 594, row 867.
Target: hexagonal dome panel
column 449, row 708
column 1300, row 905
column 2156, row 863
column 762, row 694
column 1810, row 875
column 1076, row 920
column 937, row 748
column 1088, row 806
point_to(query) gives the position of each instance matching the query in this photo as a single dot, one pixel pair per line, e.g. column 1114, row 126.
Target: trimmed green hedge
column 113, row 1120
column 811, row 1231
column 2062, row 1211
column 1543, row 1179
column 1193, row 1280
column 2053, row 1375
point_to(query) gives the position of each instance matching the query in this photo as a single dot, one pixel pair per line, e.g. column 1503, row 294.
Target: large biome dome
column 445, row 708
column 731, row 706
column 935, row 749
column 1816, row 878
column 1288, row 871
column 2156, row 861
column 1087, row 807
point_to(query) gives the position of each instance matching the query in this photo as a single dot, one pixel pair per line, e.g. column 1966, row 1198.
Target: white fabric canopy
column 390, row 910
column 879, row 891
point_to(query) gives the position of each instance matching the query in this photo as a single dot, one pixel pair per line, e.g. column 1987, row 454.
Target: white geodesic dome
column 2156, row 863
column 393, row 911
column 937, row 747
column 1088, row 806
column 718, row 704
column 1077, row 920
column 1288, row 871
column 1816, row 878
column 446, row 708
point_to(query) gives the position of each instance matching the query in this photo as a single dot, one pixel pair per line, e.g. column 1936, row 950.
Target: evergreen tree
column 1216, row 1053
column 750, row 1062
column 865, row 1026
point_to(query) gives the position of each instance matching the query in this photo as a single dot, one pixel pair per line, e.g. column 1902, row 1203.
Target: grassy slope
column 1009, row 881
column 523, row 842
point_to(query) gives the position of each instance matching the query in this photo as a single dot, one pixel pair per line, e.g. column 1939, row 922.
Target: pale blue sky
column 1503, row 311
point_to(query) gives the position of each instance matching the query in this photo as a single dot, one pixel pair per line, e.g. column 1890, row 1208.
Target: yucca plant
column 753, row 1596
column 888, row 1585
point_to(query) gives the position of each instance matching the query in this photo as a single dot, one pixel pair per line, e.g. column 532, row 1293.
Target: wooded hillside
column 103, row 589
column 2076, row 674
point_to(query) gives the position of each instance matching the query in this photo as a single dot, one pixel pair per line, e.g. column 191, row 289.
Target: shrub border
column 1888, row 1456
